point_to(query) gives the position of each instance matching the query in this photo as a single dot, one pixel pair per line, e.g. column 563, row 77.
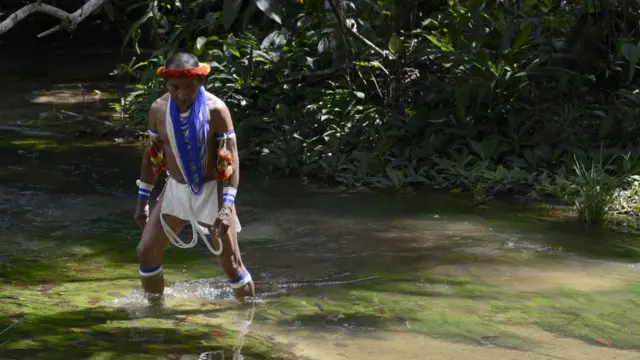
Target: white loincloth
column 179, row 201
column 176, row 197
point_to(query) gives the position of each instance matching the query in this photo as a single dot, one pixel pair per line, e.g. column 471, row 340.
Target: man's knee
column 143, row 252
column 149, row 251
column 150, row 263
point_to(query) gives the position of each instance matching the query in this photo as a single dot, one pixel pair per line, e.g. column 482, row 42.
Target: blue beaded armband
column 227, row 135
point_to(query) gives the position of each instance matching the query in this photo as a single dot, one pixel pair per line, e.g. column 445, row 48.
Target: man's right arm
column 146, row 170
column 147, row 176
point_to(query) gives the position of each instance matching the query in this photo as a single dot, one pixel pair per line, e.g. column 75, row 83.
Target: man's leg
column 231, row 261
column 151, row 250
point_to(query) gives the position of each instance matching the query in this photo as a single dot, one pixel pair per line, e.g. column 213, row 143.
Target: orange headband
column 202, row 70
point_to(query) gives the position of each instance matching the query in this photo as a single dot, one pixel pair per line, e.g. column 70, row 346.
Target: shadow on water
column 82, row 333
column 375, row 271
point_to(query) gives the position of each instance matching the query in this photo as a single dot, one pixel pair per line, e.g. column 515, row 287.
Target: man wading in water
column 193, row 139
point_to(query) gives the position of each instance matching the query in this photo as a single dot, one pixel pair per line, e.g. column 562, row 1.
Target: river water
column 339, row 275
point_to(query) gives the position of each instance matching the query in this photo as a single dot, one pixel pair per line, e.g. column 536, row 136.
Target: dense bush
column 480, row 96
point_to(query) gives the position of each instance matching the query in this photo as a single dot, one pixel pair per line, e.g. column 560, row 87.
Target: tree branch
column 337, row 12
column 69, row 21
column 303, row 76
column 372, row 46
column 344, row 28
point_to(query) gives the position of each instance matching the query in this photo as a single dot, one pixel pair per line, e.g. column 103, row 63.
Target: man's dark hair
column 182, row 60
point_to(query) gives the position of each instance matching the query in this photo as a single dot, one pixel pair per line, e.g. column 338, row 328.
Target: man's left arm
column 222, row 125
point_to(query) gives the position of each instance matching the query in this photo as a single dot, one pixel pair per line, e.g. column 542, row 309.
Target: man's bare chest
column 168, row 148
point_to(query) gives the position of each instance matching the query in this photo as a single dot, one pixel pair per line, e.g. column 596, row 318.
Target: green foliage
column 474, row 96
column 591, row 189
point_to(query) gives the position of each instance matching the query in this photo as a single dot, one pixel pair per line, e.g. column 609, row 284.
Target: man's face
column 183, row 90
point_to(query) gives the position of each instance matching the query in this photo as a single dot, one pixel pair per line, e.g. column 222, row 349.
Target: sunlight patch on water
column 514, row 260
column 358, row 345
column 71, row 95
column 541, row 275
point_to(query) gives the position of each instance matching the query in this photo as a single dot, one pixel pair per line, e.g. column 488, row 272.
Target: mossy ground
column 59, row 305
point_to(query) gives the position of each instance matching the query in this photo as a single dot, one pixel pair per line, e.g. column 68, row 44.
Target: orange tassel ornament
column 224, row 169
column 156, row 155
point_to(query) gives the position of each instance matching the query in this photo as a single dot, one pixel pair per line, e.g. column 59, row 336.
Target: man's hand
column 141, row 215
column 223, row 220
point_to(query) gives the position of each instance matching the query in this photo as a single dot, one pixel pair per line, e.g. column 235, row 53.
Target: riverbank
column 68, row 102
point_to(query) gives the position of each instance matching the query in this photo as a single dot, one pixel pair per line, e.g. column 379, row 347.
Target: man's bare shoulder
column 219, row 115
column 214, row 103
column 160, row 105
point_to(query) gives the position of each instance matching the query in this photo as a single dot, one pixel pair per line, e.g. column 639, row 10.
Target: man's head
column 184, row 75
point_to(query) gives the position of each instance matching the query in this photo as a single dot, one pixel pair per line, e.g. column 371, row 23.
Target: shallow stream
column 339, row 275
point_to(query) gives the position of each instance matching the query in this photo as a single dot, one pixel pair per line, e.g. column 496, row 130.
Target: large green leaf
column 231, row 48
column 199, row 45
column 395, row 44
column 521, row 39
column 276, row 39
column 631, row 52
column 271, row 8
column 323, row 45
column 230, row 10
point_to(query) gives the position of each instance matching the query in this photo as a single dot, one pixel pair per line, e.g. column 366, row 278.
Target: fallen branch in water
column 69, row 21
column 111, row 126
column 87, row 117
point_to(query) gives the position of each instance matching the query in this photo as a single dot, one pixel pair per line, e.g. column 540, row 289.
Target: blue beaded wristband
column 144, row 190
column 229, row 195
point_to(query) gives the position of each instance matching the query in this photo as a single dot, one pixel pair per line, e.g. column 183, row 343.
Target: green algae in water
column 81, row 333
column 610, row 315
column 452, row 319
column 460, row 315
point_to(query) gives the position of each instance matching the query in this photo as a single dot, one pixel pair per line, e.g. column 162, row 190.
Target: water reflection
column 240, row 338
